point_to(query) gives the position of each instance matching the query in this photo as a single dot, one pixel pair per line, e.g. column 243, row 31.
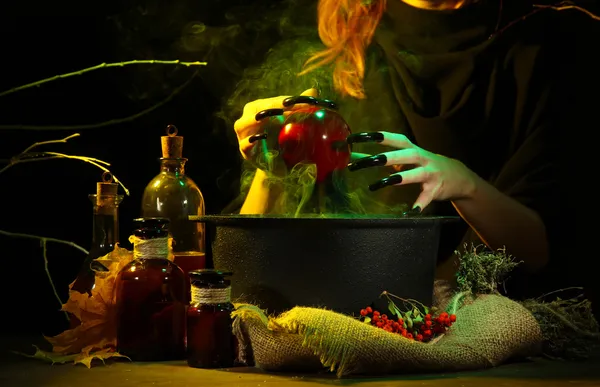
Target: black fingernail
column 414, row 211
column 268, row 113
column 365, row 137
column 290, row 101
column 390, row 180
column 256, row 137
column 366, row 162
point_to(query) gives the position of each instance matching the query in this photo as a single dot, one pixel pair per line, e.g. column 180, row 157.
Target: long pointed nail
column 385, row 182
column 290, row 101
column 366, row 162
column 415, row 211
column 256, row 137
column 365, row 137
column 268, row 113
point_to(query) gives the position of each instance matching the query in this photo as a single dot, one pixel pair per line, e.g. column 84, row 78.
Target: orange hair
column 346, row 28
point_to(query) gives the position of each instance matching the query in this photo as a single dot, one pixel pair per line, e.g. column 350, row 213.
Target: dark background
column 49, row 198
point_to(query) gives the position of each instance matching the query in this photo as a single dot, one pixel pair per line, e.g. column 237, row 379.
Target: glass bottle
column 151, row 298
column 173, row 195
column 105, row 233
column 210, row 339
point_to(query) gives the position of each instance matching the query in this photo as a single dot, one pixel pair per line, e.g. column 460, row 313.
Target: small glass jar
column 210, row 339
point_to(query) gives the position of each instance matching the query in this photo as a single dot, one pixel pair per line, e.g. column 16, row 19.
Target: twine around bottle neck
column 211, row 295
column 151, row 248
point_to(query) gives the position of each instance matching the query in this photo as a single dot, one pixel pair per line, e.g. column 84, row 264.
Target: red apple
column 318, row 136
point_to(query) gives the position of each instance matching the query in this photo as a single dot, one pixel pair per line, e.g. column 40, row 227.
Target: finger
column 396, row 140
column 403, row 156
column 424, row 199
column 312, row 92
column 357, row 156
column 246, row 146
column 247, row 121
column 412, row 176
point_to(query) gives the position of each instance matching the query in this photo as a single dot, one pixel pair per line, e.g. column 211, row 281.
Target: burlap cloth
column 488, row 331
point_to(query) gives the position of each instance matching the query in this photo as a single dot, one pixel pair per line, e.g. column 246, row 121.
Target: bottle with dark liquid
column 210, row 339
column 105, row 234
column 173, row 195
column 151, row 298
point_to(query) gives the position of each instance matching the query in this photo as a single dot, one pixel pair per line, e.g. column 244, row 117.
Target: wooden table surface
column 18, row 371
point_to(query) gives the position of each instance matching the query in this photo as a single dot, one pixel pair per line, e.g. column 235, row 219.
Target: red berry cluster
column 420, row 327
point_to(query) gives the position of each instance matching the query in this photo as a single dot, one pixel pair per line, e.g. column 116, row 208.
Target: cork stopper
column 172, row 144
column 106, row 187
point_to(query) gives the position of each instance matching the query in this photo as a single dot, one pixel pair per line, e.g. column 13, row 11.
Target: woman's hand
column 441, row 178
column 247, row 126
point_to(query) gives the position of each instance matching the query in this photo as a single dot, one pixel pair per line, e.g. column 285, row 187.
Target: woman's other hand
column 441, row 178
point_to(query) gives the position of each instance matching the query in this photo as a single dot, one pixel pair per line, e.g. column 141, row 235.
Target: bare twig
column 64, row 140
column 98, row 67
column 103, row 124
column 27, row 156
column 44, row 241
column 566, row 5
column 52, row 240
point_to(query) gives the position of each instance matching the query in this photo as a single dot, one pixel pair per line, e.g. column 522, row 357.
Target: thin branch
column 559, row 291
column 47, row 270
column 25, row 157
column 64, row 140
column 44, row 241
column 41, row 238
column 115, row 121
column 566, row 5
column 98, row 67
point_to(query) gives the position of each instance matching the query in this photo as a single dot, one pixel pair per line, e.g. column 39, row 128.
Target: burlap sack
column 489, row 331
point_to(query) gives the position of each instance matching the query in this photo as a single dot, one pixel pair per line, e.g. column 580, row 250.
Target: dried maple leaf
column 96, row 333
column 78, row 358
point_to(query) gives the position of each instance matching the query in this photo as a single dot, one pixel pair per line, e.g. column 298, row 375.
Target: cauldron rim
column 341, row 221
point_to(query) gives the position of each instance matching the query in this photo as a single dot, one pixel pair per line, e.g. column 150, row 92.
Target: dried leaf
column 79, row 358
column 50, row 357
column 97, row 330
column 103, row 355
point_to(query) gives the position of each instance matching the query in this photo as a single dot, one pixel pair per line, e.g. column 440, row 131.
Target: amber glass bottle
column 151, row 298
column 210, row 340
column 173, row 195
column 105, row 233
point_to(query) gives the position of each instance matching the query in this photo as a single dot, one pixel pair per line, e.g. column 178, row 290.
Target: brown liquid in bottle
column 151, row 299
column 210, row 340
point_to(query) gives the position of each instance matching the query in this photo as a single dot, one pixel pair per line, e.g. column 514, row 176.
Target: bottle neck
column 176, row 166
column 155, row 248
column 202, row 295
column 105, row 227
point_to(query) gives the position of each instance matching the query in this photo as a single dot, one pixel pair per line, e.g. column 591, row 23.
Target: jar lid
column 148, row 228
column 208, row 273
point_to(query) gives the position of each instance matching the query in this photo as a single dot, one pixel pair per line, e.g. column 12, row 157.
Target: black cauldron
column 340, row 263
